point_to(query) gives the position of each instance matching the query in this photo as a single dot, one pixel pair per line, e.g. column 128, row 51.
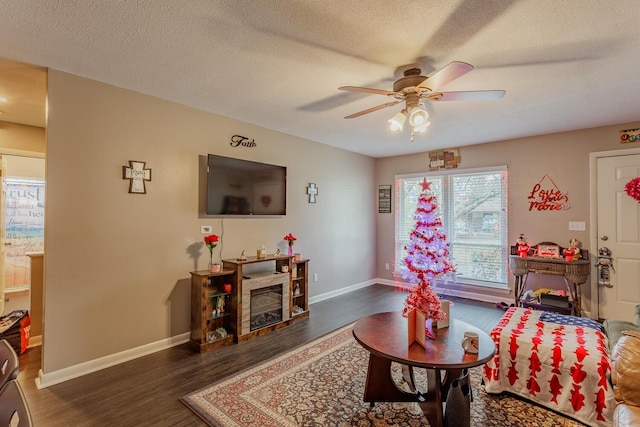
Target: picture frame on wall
column 384, row 199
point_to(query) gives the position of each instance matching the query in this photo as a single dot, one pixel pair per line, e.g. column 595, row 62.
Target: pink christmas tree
column 427, row 257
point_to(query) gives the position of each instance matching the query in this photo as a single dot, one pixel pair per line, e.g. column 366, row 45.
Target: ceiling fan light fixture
column 397, row 122
column 422, row 128
column 418, row 117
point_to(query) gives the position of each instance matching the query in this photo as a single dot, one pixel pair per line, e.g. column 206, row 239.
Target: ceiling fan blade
column 371, row 110
column 445, row 75
column 474, row 95
column 368, row 90
column 468, row 19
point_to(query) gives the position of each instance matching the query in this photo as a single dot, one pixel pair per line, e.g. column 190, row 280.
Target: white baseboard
column 342, row 291
column 35, row 341
column 75, row 371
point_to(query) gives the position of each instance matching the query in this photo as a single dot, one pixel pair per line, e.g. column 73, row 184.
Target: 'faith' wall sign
column 242, row 141
column 137, row 175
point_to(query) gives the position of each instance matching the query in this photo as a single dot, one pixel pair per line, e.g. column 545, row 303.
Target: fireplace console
column 249, row 297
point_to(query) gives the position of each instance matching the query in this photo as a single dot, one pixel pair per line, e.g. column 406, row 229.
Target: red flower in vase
column 211, row 241
column 290, row 238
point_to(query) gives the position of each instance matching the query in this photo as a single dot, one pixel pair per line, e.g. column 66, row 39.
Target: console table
column 575, row 273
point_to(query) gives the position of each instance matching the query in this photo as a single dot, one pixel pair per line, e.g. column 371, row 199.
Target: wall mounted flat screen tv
column 238, row 187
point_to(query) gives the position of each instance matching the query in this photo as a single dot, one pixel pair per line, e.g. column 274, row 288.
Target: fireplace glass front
column 266, row 306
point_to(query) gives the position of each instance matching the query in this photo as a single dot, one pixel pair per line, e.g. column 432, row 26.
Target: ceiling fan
column 414, row 88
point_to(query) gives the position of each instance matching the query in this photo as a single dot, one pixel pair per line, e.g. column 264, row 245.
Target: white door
column 3, row 250
column 618, row 229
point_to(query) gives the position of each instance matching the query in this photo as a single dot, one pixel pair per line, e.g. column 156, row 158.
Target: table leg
column 519, row 285
column 576, row 296
column 432, row 404
column 380, row 387
column 409, row 378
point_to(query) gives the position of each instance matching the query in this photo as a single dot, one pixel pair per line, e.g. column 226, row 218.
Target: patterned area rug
column 322, row 384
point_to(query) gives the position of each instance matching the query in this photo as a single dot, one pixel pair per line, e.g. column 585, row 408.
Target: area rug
column 322, row 384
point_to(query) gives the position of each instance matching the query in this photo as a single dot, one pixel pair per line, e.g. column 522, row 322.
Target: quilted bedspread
column 564, row 367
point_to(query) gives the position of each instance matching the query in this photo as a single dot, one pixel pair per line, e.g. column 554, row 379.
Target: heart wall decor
column 632, row 188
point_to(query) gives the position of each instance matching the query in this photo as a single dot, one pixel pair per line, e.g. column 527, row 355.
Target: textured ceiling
column 565, row 65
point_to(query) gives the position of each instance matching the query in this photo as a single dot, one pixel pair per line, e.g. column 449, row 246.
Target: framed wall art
column 137, row 174
column 384, row 199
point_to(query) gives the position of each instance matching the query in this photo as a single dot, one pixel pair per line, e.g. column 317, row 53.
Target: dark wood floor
column 145, row 391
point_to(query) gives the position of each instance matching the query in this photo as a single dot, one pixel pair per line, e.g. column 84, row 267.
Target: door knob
column 605, row 238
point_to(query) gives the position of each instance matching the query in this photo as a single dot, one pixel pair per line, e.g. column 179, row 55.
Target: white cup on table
column 471, row 342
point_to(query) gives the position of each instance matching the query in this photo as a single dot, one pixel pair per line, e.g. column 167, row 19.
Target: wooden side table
column 385, row 336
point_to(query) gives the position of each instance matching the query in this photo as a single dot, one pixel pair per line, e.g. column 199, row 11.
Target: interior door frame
column 593, row 219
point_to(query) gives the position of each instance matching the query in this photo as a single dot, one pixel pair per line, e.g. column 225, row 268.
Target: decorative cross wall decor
column 312, row 191
column 137, row 175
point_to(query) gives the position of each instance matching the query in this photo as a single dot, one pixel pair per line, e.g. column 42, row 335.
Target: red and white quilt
column 562, row 367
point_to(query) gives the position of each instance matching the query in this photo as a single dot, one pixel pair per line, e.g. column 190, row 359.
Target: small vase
column 214, row 267
column 290, row 250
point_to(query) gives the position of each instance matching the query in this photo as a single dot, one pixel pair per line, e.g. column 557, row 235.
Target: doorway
column 24, row 227
column 615, row 216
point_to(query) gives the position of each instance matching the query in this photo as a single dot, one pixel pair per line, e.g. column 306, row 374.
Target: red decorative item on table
column 568, row 254
column 290, row 238
column 522, row 246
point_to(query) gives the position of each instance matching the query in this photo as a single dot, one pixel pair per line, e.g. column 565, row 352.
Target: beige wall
column 28, row 167
column 117, row 264
column 22, row 140
column 562, row 156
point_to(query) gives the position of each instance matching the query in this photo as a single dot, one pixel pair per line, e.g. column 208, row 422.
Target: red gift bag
column 15, row 327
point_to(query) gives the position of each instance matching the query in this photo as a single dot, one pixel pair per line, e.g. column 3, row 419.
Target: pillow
column 624, row 368
column 564, row 319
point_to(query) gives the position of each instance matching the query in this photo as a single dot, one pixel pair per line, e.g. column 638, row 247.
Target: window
column 473, row 208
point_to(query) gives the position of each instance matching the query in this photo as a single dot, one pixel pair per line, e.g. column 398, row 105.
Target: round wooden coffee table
column 385, row 335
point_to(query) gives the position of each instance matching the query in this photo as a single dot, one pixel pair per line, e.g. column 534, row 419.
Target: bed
column 560, row 362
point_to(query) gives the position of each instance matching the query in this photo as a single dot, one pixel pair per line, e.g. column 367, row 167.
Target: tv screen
column 242, row 187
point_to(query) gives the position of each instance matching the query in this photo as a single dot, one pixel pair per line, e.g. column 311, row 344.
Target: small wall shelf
column 212, row 309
